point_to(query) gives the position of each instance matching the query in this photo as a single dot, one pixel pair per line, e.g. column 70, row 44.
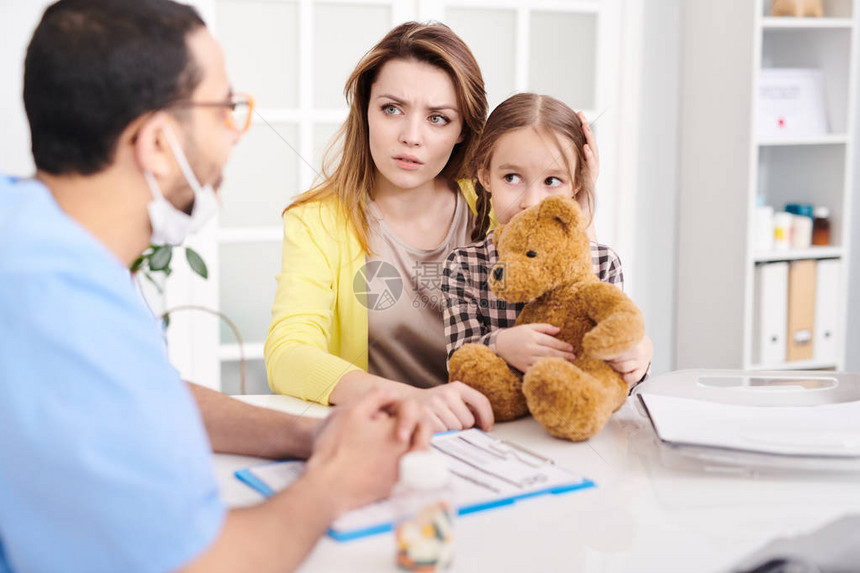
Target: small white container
column 763, row 228
column 782, row 222
column 801, row 232
column 424, row 502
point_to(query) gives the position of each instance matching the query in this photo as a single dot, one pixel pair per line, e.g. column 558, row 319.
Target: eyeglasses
column 238, row 110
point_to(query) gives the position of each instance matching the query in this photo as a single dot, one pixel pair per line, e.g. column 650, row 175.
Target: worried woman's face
column 414, row 123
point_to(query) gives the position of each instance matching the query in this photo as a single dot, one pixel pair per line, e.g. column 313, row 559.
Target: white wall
column 655, row 216
column 18, row 19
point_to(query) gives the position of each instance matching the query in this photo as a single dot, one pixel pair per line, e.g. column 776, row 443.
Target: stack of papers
column 828, row 430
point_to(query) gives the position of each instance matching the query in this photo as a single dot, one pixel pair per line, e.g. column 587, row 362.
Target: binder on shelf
column 771, row 320
column 827, row 310
column 801, row 310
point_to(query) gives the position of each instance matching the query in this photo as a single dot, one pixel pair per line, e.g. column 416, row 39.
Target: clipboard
column 487, row 473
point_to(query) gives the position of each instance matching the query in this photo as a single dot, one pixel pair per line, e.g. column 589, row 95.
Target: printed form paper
column 484, row 470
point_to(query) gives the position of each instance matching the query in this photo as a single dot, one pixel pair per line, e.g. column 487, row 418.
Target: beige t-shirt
column 406, row 338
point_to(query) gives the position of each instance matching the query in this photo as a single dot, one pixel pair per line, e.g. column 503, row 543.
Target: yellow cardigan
column 319, row 328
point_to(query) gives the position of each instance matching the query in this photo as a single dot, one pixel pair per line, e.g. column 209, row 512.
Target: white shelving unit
column 773, row 23
column 799, row 254
column 831, row 138
column 724, row 166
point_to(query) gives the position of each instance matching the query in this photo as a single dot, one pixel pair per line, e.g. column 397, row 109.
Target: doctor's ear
column 151, row 150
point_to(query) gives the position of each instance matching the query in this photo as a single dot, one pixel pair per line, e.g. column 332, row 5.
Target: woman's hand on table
column 454, row 406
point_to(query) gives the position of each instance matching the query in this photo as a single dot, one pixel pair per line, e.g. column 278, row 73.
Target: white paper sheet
column 823, row 430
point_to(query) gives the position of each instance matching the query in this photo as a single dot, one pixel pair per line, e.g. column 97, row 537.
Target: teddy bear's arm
column 619, row 325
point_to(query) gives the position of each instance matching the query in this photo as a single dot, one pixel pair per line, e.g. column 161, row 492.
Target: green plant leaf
column 135, row 266
column 159, row 260
column 195, row 261
column 166, row 320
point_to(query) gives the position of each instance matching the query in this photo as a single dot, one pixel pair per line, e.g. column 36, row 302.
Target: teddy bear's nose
column 498, row 273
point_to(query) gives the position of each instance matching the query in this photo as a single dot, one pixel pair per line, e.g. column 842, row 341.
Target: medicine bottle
column 801, row 231
column 782, row 230
column 802, row 209
column 424, row 526
column 821, row 226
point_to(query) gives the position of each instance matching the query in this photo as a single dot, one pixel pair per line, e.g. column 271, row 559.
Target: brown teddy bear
column 545, row 258
column 797, row 8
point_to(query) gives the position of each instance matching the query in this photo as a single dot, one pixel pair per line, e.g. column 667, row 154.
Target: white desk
column 641, row 517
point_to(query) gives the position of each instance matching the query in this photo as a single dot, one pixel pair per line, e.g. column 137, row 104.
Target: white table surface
column 641, row 517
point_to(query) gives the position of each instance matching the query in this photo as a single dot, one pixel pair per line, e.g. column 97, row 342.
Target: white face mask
column 170, row 226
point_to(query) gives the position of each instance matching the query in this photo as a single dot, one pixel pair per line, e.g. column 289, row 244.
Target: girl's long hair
column 348, row 171
column 543, row 113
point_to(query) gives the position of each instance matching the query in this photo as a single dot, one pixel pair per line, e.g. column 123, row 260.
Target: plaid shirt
column 473, row 313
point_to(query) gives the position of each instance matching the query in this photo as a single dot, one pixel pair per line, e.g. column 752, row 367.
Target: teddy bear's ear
column 564, row 210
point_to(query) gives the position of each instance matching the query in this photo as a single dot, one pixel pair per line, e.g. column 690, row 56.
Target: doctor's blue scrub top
column 104, row 460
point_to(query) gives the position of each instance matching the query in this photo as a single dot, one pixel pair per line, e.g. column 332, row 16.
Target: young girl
column 532, row 147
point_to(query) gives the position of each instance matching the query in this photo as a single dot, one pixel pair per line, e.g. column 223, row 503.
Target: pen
column 489, row 450
column 474, row 481
column 529, row 452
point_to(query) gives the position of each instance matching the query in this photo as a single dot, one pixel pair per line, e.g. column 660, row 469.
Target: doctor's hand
column 357, row 449
column 633, row 364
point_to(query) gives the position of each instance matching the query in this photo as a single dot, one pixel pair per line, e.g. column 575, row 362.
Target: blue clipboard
column 247, row 476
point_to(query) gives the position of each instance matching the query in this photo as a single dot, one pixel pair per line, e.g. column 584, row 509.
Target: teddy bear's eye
column 531, row 254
